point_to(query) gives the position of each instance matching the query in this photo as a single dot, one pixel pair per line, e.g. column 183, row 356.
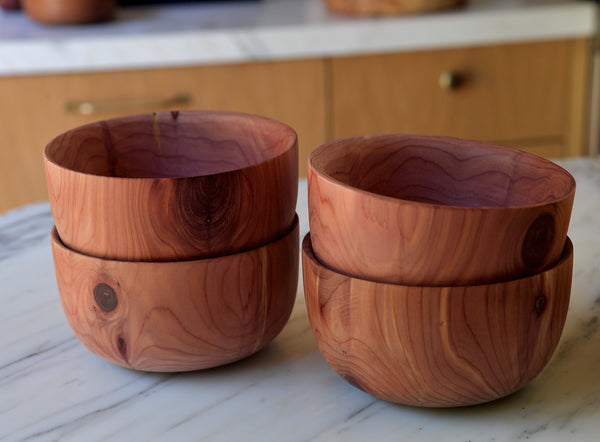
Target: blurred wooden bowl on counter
column 66, row 12
column 10, row 5
column 390, row 7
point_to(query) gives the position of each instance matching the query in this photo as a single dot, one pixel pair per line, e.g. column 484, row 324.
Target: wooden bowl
column 65, row 12
column 424, row 210
column 173, row 185
column 390, row 7
column 437, row 346
column 180, row 315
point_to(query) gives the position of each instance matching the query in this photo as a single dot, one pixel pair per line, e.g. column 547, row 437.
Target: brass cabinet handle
column 450, row 80
column 98, row 107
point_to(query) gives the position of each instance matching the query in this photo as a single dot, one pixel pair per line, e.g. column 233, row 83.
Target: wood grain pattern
column 178, row 316
column 173, row 185
column 425, row 210
column 522, row 95
column 261, row 88
column 437, row 346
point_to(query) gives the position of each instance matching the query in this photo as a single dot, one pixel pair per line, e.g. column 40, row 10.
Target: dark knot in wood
column 538, row 240
column 205, row 209
column 122, row 347
column 105, row 297
column 540, row 303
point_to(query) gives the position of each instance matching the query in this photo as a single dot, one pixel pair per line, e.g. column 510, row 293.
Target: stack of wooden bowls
column 176, row 239
column 437, row 271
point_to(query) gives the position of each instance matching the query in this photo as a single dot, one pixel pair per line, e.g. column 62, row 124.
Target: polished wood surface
column 173, row 185
column 525, row 95
column 35, row 108
column 436, row 211
column 437, row 347
column 179, row 316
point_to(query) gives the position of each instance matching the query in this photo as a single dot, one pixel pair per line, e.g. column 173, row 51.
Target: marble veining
column 52, row 388
column 17, row 232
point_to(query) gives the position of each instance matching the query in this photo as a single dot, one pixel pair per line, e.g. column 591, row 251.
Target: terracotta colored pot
column 173, row 185
column 424, row 210
column 437, row 346
column 182, row 315
column 63, row 12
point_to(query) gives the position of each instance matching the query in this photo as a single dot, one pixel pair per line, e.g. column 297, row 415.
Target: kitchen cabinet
column 34, row 109
column 531, row 96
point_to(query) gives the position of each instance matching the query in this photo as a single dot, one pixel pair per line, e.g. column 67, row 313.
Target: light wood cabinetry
column 33, row 109
column 532, row 96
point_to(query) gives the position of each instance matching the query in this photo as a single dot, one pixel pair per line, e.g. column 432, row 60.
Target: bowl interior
column 171, row 144
column 443, row 171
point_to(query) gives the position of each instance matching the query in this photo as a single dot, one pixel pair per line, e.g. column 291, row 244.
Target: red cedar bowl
column 437, row 346
column 179, row 315
column 424, row 210
column 173, row 185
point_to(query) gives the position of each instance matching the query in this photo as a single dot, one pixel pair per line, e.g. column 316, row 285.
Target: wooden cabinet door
column 524, row 95
column 37, row 108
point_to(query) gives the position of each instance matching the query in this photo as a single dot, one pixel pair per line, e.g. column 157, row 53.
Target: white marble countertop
column 192, row 34
column 52, row 388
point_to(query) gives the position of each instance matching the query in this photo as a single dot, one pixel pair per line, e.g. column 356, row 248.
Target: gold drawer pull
column 98, row 107
column 450, row 81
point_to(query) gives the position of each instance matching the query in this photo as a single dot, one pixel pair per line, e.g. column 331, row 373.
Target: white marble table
column 52, row 388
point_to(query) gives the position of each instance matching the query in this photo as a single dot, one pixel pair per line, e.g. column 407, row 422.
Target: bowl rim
column 567, row 255
column 384, row 199
column 291, row 147
column 57, row 242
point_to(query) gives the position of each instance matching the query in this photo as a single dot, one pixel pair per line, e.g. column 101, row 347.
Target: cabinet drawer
column 40, row 107
column 513, row 93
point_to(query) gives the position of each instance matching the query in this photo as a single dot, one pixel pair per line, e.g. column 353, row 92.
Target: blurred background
column 520, row 73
